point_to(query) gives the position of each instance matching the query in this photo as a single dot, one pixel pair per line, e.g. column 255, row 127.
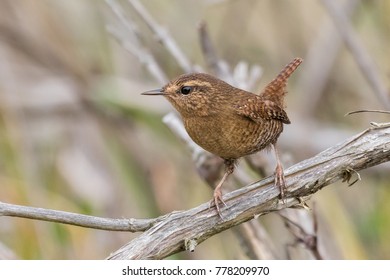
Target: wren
column 231, row 122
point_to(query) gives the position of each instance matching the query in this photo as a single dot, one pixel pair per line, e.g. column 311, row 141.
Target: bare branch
column 131, row 43
column 163, row 36
column 367, row 111
column 170, row 235
column 241, row 76
column 255, row 241
column 302, row 236
column 313, row 79
column 363, row 59
column 216, row 65
column 131, row 225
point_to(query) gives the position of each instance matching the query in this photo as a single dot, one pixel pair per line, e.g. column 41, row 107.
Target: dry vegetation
column 77, row 136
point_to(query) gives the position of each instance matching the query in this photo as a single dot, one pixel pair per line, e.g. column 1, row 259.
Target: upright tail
column 276, row 89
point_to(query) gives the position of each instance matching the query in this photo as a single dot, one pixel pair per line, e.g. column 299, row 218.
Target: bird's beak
column 158, row 91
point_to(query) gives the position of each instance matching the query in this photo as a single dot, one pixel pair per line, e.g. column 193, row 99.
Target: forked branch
column 183, row 230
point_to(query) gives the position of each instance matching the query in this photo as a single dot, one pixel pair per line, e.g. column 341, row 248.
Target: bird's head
column 196, row 94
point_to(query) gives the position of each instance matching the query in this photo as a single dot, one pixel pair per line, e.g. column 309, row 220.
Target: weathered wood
column 75, row 219
column 184, row 229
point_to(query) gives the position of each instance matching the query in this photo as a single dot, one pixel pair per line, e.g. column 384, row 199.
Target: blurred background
column 76, row 135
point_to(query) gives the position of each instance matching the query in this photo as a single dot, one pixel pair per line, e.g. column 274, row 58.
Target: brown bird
column 230, row 122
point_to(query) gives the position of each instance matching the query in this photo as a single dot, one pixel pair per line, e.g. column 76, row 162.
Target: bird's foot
column 217, row 200
column 280, row 182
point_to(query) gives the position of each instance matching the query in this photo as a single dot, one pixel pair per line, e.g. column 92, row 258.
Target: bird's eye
column 186, row 90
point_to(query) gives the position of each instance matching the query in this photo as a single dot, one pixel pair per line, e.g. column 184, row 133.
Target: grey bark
column 184, row 230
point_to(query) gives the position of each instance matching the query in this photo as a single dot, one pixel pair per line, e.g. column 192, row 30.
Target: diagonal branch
column 131, row 42
column 163, row 36
column 359, row 53
column 183, row 230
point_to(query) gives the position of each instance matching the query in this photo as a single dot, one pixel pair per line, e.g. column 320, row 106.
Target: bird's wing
column 257, row 109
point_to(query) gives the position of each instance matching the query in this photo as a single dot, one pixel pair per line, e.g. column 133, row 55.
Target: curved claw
column 280, row 182
column 217, row 200
column 218, row 189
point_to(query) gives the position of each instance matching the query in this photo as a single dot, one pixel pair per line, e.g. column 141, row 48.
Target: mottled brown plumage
column 230, row 122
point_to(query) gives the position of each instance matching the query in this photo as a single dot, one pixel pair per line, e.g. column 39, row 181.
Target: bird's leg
column 229, row 168
column 279, row 174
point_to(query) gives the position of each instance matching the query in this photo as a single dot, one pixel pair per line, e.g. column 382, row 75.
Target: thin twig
column 130, row 225
column 255, row 241
column 241, row 76
column 367, row 111
column 314, row 76
column 131, row 43
column 163, row 36
column 361, row 56
column 167, row 237
column 216, row 65
column 302, row 236
column 175, row 225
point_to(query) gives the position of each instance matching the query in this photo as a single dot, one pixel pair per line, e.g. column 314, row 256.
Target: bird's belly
column 233, row 140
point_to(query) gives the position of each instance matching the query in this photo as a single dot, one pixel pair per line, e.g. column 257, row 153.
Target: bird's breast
column 232, row 137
